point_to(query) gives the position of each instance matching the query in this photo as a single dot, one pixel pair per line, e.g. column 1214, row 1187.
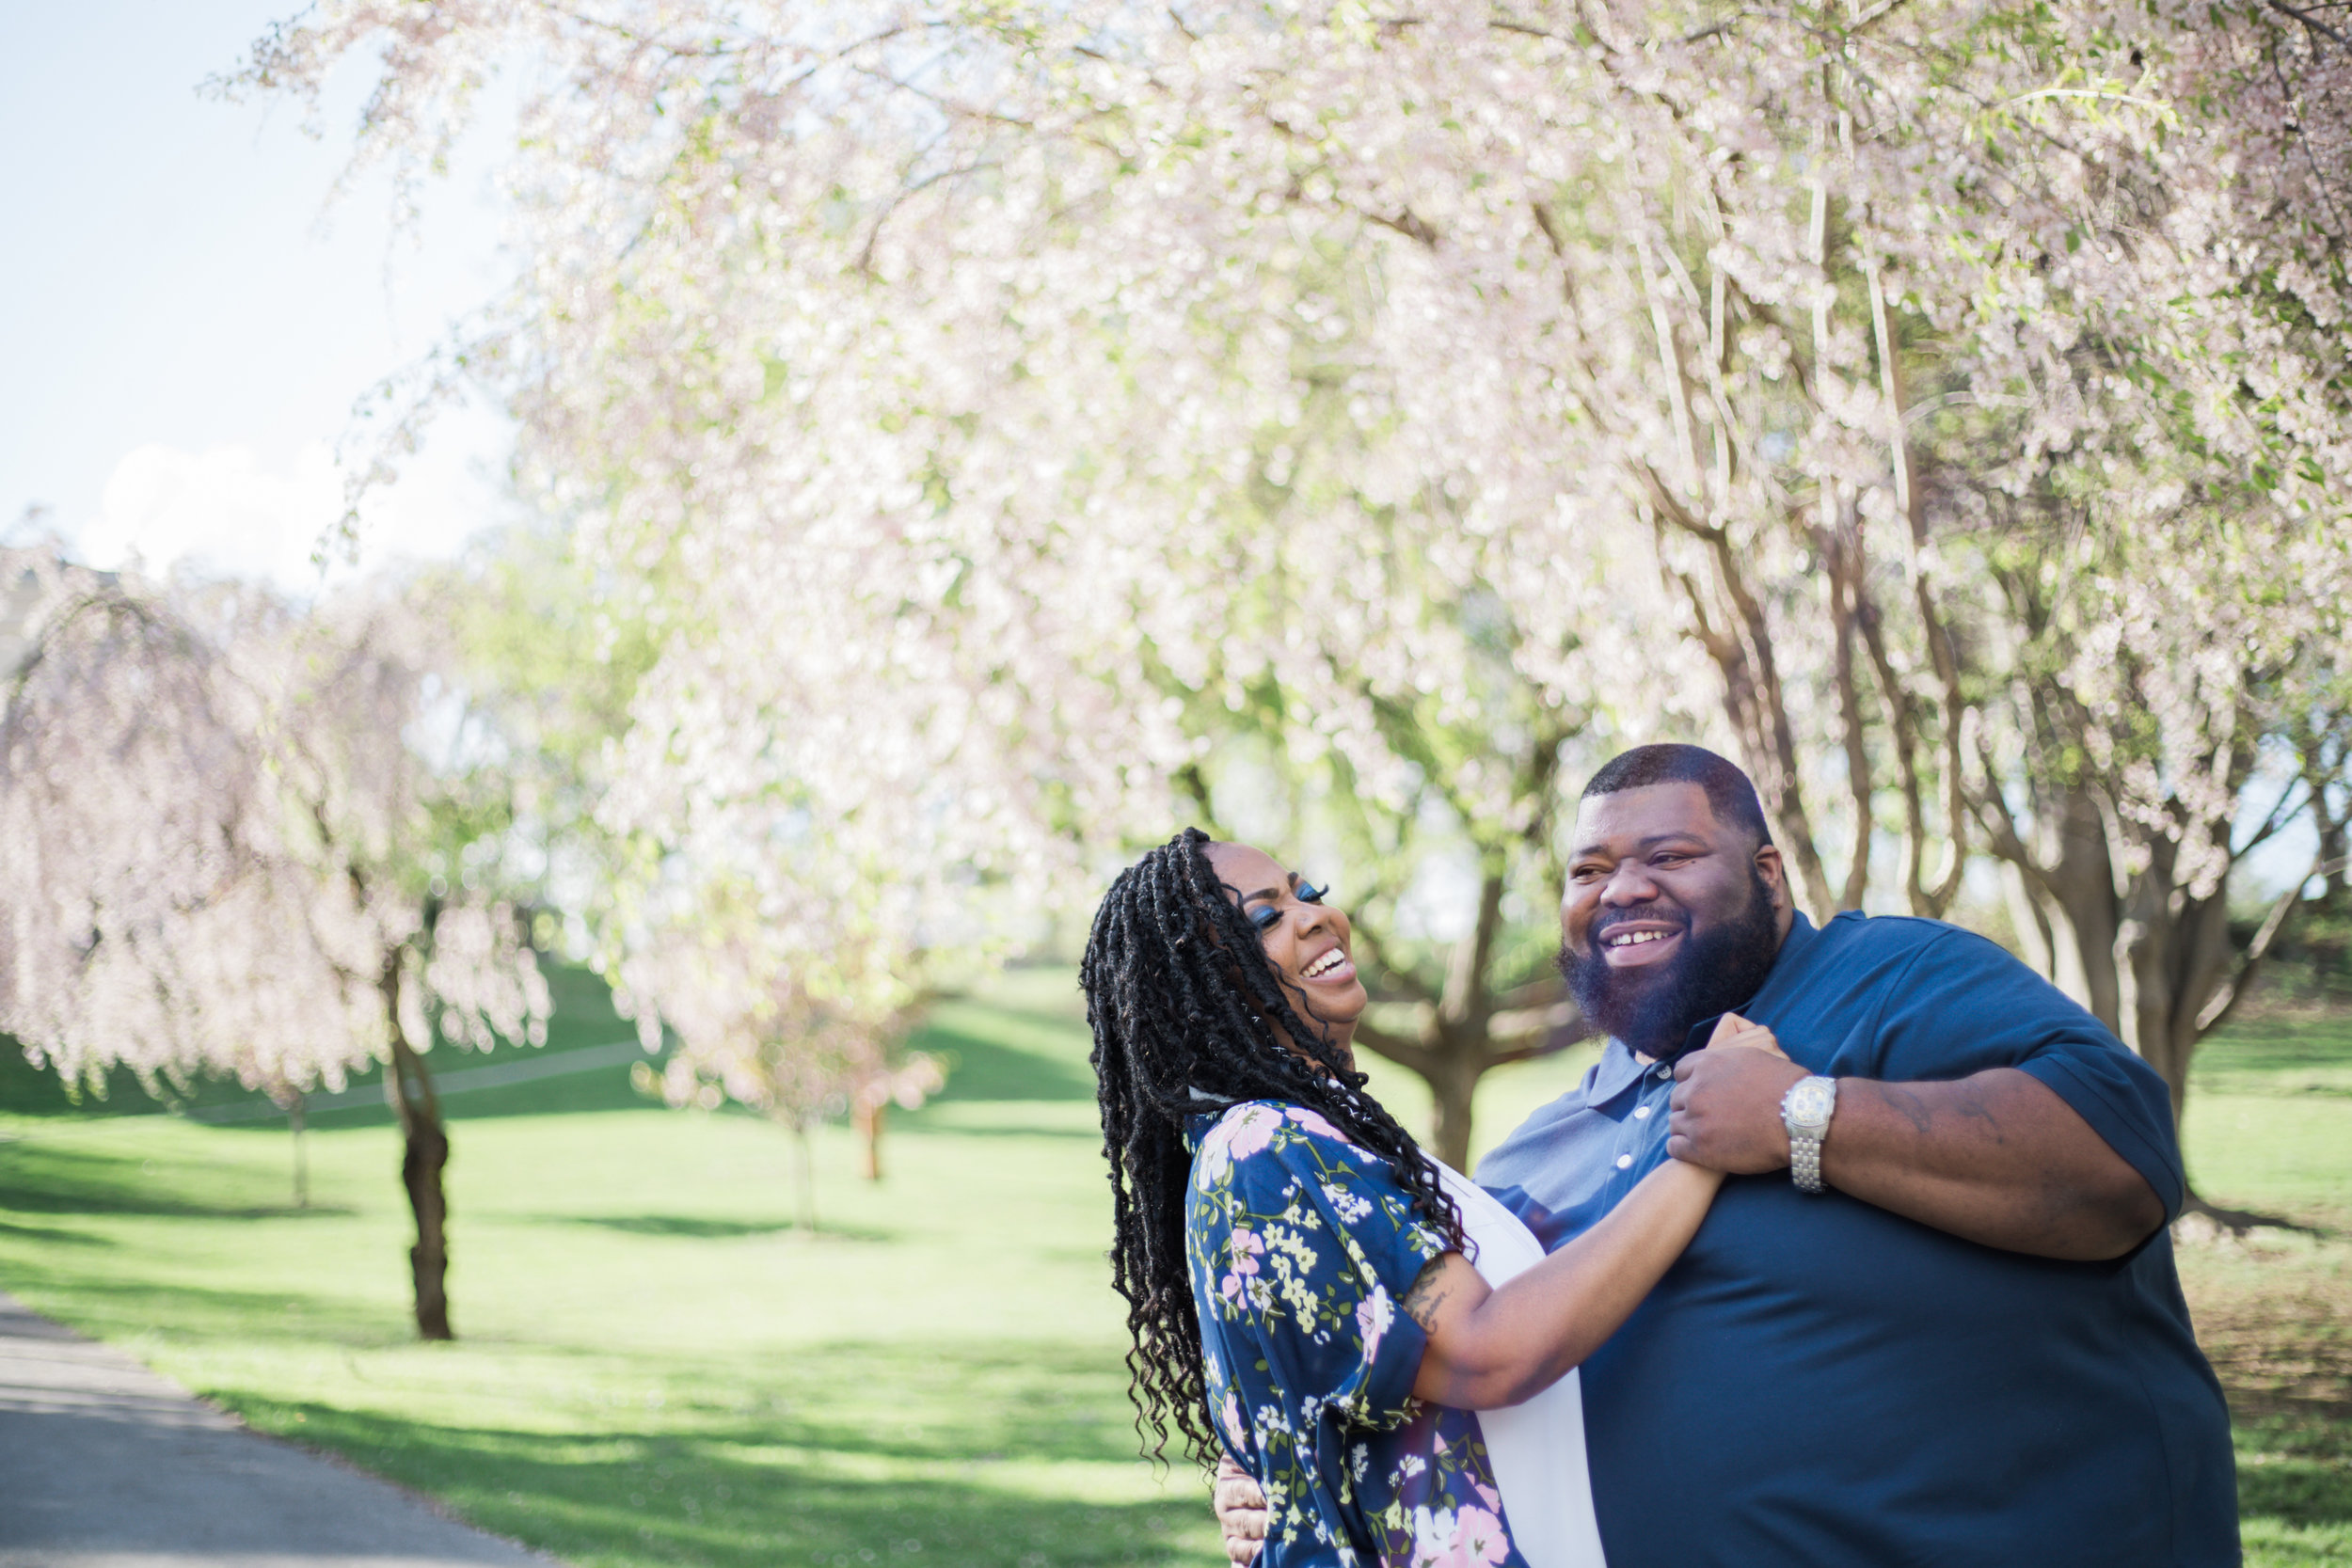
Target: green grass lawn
column 657, row 1368
column 2270, row 1127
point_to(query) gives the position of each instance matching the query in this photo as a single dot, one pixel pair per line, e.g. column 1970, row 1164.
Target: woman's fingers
column 1241, row 1515
column 1758, row 1040
column 1732, row 1031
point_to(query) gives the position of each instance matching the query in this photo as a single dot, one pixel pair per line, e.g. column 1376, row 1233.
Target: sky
column 190, row 316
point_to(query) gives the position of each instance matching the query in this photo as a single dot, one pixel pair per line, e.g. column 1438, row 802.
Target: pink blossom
column 1374, row 1316
column 1248, row 1247
column 930, row 518
column 1248, row 1129
column 1313, row 1122
column 1241, row 1131
column 1470, row 1538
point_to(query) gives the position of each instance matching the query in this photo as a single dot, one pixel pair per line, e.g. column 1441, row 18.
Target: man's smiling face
column 1669, row 911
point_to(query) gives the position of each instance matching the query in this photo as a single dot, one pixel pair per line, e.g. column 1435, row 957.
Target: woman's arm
column 1491, row 1347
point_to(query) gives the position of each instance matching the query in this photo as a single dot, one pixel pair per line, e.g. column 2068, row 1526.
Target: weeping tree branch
column 2225, row 1001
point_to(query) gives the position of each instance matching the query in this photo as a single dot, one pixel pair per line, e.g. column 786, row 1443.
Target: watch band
column 1805, row 1111
column 1805, row 1164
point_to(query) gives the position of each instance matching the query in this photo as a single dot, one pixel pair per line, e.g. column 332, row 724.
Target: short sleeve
column 1966, row 1006
column 1306, row 1246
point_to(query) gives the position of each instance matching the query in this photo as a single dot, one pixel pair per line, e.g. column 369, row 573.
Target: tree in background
column 1041, row 412
column 151, row 876
column 751, row 1025
column 224, row 854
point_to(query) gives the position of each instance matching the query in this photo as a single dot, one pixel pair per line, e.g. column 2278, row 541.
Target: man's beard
column 1652, row 1009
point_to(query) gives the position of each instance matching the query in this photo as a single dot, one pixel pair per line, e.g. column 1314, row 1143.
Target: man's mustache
column 1657, row 913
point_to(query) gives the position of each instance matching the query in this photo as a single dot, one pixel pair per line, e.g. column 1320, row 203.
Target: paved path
column 105, row 1465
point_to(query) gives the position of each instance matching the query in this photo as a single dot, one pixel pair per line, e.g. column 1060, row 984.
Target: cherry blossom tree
column 226, row 854
column 2121, row 554
column 1035, row 415
column 751, row 1025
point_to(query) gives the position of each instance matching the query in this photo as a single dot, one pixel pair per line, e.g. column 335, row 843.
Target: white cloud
column 225, row 511
column 218, row 510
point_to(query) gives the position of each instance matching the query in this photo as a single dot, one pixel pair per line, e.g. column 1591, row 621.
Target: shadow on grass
column 940, row 1127
column 701, row 1228
column 986, row 1067
column 619, row 1496
column 2296, row 1468
column 819, row 1460
column 2292, row 1056
column 103, row 1307
column 37, row 1178
column 47, row 1235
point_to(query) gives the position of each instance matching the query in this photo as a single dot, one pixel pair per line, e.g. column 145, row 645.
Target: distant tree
column 224, row 852
column 751, row 1025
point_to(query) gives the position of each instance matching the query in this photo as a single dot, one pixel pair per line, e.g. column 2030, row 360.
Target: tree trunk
column 1451, row 1088
column 1468, row 1030
column 425, row 1153
column 869, row 1131
column 301, row 1151
column 804, row 1179
column 2063, row 901
column 2152, row 961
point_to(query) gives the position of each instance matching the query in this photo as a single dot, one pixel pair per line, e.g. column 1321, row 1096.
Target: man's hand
column 1995, row 1157
column 1724, row 1111
column 1240, row 1511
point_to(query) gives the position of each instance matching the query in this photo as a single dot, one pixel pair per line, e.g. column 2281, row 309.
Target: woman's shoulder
column 1261, row 1138
column 1252, row 1127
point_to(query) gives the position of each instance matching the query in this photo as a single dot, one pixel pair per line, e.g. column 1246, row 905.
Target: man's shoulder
column 1940, row 969
column 1939, row 941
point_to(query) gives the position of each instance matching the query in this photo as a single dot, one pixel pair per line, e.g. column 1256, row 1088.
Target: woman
column 1298, row 1272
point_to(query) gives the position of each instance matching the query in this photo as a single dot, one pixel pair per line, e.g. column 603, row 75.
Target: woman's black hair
column 1185, row 1006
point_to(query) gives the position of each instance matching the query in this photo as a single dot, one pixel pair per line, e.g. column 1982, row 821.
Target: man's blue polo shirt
column 1821, row 1384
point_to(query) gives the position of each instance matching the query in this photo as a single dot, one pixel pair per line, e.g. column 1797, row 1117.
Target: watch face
column 1809, row 1103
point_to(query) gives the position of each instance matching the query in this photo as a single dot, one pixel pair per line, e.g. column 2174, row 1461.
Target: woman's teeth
column 1325, row 964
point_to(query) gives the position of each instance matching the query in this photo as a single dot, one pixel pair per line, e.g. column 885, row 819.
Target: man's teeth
column 1631, row 938
column 1328, row 961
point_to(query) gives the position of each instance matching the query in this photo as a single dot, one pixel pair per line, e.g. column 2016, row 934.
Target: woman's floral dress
column 1302, row 1245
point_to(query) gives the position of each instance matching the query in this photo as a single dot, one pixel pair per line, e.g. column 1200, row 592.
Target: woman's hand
column 1724, row 1110
column 1491, row 1347
column 1241, row 1512
column 1731, row 1030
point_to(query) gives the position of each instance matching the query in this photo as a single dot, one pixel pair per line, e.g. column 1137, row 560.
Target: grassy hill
column 657, row 1368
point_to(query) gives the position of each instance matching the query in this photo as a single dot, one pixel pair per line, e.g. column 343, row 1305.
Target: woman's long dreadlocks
column 1184, row 1008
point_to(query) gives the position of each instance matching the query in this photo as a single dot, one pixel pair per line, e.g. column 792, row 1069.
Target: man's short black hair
column 1730, row 792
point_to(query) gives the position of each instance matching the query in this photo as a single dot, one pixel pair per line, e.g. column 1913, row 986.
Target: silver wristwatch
column 1805, row 1110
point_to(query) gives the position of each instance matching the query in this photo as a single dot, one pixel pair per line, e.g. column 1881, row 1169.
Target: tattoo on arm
column 1429, row 1292
column 1911, row 1108
column 1971, row 1103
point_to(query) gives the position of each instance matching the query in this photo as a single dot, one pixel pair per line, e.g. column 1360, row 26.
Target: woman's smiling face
column 1309, row 942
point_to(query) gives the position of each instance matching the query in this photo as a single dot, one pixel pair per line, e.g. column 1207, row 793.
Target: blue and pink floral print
column 1301, row 1246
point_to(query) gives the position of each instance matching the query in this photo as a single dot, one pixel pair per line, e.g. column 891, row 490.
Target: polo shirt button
column 1639, row 1112
column 1625, row 1162
column 1663, row 1071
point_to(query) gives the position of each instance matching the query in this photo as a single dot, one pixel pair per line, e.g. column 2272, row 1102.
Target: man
column 1938, row 1320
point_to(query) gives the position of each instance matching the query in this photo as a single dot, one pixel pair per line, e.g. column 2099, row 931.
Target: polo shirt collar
column 1616, row 1072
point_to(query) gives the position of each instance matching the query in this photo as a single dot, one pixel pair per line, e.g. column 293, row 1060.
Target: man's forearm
column 1998, row 1158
